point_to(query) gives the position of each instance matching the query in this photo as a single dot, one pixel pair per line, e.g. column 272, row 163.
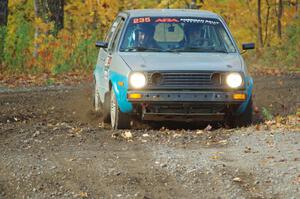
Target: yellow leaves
column 174, row 4
column 42, row 26
column 82, row 195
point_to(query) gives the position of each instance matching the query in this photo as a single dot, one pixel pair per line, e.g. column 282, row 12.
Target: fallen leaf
column 208, row 128
column 223, row 142
column 176, row 135
column 237, row 179
column 257, row 127
column 256, row 109
column 215, row 157
column 127, row 135
column 83, row 194
column 297, row 180
column 247, row 150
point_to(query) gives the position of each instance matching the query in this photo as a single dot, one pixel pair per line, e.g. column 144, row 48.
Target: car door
column 104, row 57
column 112, row 53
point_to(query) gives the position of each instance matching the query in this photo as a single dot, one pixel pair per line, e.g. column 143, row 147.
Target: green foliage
column 17, row 43
column 83, row 56
column 85, row 53
column 266, row 114
column 292, row 45
column 3, row 32
column 50, row 82
column 286, row 54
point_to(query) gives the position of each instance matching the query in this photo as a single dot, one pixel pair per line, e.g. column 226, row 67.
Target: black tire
column 118, row 119
column 106, row 108
column 244, row 119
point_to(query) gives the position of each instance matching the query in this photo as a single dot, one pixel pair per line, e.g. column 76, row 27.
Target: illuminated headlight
column 137, row 80
column 234, row 80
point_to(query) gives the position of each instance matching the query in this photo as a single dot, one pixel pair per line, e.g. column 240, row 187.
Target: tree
column 279, row 13
column 267, row 22
column 297, row 8
column 51, row 11
column 3, row 24
column 259, row 22
column 3, row 12
column 56, row 8
column 48, row 11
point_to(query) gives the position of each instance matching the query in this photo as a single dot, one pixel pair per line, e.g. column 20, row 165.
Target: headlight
column 137, row 80
column 234, row 80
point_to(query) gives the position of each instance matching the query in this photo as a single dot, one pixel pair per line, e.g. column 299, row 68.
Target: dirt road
column 53, row 146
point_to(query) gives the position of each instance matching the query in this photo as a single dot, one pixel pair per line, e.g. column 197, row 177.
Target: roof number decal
column 141, row 20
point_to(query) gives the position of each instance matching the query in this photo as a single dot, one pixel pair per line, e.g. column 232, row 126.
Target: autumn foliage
column 32, row 45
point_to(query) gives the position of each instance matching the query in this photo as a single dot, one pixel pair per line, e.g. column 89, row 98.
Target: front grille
column 184, row 80
column 185, row 108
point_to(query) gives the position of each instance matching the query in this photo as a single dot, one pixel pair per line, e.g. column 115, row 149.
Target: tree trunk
column 259, row 36
column 51, row 11
column 38, row 13
column 297, row 9
column 3, row 12
column 56, row 10
column 3, row 24
column 267, row 22
column 279, row 16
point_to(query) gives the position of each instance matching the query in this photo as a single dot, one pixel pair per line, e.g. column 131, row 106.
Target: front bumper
column 185, row 105
column 186, row 96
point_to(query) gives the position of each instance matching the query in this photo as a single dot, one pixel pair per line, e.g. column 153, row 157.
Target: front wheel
column 118, row 119
column 244, row 119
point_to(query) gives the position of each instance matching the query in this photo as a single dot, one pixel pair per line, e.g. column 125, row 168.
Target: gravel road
column 52, row 145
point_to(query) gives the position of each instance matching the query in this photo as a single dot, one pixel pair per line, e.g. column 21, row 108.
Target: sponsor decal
column 202, row 21
column 166, row 20
column 141, row 20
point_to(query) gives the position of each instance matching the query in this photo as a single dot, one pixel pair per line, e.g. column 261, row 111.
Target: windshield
column 176, row 34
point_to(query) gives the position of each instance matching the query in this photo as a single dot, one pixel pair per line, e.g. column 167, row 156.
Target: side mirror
column 248, row 46
column 101, row 44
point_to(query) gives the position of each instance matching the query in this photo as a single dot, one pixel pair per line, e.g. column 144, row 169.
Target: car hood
column 149, row 61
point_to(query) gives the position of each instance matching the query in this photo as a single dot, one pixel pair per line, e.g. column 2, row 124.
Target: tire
column 244, row 119
column 118, row 119
column 106, row 108
column 96, row 99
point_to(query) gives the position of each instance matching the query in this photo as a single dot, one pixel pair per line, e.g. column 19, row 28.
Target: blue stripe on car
column 120, row 91
column 243, row 106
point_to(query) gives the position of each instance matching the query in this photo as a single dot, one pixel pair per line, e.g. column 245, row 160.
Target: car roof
column 170, row 12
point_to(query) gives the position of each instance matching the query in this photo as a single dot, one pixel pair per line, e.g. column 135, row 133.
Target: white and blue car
column 172, row 65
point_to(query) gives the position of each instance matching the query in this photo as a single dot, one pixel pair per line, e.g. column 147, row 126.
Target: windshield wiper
column 141, row 49
column 197, row 49
column 218, row 51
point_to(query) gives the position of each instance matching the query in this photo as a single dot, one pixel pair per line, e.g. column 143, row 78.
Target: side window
column 117, row 34
column 226, row 40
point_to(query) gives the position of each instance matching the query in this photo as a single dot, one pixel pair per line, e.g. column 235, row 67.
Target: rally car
column 171, row 65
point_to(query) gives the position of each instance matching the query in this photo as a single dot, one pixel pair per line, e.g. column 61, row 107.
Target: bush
column 285, row 55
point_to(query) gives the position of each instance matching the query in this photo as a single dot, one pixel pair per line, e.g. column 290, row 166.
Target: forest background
column 57, row 37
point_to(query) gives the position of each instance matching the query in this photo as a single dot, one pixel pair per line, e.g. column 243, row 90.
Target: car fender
column 120, row 85
column 249, row 87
